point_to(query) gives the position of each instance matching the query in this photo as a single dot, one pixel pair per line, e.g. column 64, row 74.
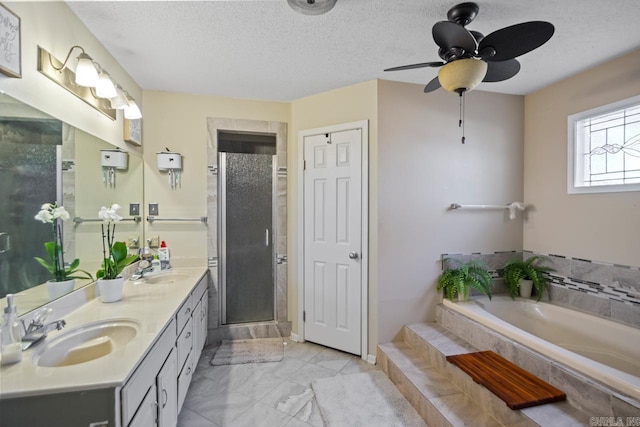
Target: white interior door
column 333, row 239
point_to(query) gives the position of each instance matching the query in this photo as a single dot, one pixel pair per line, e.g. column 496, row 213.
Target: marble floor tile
column 261, row 415
column 297, row 423
column 310, row 372
column 285, row 368
column 221, row 408
column 188, row 418
column 332, row 359
column 258, row 386
column 358, row 366
column 301, row 350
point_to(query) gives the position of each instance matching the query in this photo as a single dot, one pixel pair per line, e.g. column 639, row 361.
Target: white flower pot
column 111, row 289
column 58, row 289
column 525, row 288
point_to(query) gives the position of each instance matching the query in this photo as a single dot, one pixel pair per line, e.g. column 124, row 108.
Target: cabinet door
column 167, row 385
column 204, row 313
column 147, row 414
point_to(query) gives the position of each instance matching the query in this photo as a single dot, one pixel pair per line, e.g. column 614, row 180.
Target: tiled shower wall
column 281, row 327
column 606, row 290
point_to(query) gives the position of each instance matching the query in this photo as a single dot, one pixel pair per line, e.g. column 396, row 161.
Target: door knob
column 353, row 255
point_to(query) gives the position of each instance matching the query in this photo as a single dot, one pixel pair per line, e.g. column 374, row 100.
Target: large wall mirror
column 44, row 160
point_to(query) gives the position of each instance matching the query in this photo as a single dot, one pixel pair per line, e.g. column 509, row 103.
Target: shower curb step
column 437, row 343
column 438, row 401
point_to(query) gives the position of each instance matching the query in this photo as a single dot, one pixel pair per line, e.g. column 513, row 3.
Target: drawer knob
column 188, row 335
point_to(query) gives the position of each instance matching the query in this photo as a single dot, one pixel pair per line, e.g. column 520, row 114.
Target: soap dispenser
column 11, row 345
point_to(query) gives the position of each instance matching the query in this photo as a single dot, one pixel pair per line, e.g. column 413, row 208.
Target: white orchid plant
column 51, row 213
column 114, row 254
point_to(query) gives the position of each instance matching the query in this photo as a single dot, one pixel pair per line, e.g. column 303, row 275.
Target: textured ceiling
column 264, row 50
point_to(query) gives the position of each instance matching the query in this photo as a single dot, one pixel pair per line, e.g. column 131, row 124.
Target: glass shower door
column 247, row 261
column 28, row 178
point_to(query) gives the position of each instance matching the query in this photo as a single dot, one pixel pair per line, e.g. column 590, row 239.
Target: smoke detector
column 312, row 7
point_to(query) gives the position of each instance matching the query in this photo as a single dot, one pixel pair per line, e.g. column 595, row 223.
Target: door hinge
column 304, row 165
column 304, row 316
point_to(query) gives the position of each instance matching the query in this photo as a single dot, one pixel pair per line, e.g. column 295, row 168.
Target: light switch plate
column 134, row 209
column 153, row 209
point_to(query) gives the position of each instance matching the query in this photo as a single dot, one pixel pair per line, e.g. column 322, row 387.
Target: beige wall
column 56, row 28
column 601, row 227
column 423, row 168
column 179, row 122
column 345, row 105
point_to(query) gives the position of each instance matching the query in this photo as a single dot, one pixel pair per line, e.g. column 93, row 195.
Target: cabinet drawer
column 184, row 314
column 185, row 343
column 185, row 379
column 145, row 375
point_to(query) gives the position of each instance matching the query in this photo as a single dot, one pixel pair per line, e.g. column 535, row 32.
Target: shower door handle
column 266, row 237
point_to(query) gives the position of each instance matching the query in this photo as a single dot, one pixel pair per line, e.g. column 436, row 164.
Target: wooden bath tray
column 518, row 388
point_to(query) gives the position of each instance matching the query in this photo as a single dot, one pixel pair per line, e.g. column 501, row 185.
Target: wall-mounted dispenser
column 171, row 162
column 110, row 161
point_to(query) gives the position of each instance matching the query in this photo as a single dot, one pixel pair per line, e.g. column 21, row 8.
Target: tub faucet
column 37, row 330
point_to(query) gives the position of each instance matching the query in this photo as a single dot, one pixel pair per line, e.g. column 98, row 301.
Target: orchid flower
column 49, row 214
column 109, row 214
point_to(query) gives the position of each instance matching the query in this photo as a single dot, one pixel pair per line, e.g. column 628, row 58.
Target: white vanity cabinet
column 154, row 394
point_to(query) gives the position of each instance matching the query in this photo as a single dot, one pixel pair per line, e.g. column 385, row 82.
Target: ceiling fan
column 469, row 57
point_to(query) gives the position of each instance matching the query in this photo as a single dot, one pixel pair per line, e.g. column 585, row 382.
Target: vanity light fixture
column 105, row 87
column 131, row 111
column 90, row 82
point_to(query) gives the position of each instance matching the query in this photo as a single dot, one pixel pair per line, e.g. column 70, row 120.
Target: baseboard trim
column 294, row 337
column 371, row 359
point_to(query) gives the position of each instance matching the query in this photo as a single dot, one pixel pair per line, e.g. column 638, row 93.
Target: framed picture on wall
column 10, row 48
column 133, row 131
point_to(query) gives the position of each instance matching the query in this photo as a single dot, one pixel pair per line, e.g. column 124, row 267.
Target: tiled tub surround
column 606, row 290
column 601, row 349
column 280, row 326
column 584, row 393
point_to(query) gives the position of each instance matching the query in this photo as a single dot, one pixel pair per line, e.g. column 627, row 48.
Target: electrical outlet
column 153, row 209
column 134, row 209
column 133, row 242
column 154, row 242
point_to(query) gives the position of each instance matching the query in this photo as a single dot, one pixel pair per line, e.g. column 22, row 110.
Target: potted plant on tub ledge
column 461, row 279
column 521, row 276
column 63, row 275
column 115, row 257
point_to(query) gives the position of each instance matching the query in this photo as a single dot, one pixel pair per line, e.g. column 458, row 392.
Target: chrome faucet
column 37, row 330
column 143, row 267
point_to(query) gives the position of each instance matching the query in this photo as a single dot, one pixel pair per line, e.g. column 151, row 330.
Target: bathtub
column 601, row 349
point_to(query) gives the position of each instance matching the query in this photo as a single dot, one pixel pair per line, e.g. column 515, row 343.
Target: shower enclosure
column 30, row 175
column 247, row 171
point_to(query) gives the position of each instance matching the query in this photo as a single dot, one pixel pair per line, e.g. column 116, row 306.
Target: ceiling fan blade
column 432, row 85
column 499, row 71
column 515, row 40
column 449, row 34
column 412, row 66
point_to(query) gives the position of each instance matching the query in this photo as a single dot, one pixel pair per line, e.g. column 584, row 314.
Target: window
column 604, row 148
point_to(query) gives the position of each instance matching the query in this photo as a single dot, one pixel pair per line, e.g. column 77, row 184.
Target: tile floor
column 264, row 394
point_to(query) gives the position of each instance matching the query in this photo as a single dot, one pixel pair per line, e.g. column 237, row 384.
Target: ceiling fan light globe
column 315, row 7
column 462, row 74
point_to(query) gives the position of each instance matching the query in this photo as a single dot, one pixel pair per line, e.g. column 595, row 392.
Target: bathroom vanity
column 127, row 363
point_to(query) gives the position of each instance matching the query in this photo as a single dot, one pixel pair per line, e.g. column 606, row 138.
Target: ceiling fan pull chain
column 461, row 119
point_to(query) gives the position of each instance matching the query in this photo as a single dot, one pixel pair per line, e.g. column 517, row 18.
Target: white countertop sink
column 87, row 342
